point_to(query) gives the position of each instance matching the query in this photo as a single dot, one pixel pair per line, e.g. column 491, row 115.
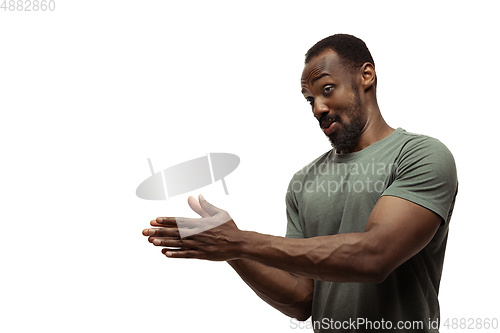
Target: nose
column 320, row 109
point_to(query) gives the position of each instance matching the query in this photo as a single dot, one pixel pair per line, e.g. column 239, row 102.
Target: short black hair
column 351, row 49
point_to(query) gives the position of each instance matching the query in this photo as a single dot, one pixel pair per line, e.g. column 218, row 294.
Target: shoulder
column 414, row 141
column 417, row 149
column 425, row 174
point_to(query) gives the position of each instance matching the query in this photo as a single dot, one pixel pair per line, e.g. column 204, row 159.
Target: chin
column 345, row 142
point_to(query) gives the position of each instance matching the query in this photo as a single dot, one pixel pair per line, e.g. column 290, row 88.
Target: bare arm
column 287, row 292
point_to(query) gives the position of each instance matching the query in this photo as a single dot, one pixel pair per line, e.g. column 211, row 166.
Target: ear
column 368, row 76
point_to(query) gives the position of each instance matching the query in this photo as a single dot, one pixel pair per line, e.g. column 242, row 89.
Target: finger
column 195, row 205
column 155, row 224
column 152, row 238
column 208, row 207
column 164, row 221
column 169, row 242
column 173, row 253
column 161, row 232
column 182, row 222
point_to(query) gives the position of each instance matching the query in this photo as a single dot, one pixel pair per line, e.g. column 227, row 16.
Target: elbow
column 302, row 317
column 379, row 277
column 299, row 313
column 377, row 272
column 301, row 310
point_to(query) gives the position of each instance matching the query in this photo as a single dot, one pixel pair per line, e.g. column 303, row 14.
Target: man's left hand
column 214, row 236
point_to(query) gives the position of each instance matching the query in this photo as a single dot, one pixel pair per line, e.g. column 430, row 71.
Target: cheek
column 340, row 98
column 350, row 113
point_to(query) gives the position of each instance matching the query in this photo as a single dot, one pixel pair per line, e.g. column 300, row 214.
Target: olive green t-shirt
column 336, row 194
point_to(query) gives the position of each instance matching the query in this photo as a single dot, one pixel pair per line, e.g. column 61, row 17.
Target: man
column 367, row 221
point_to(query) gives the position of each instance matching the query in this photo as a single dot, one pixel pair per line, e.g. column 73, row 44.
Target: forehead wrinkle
column 315, row 71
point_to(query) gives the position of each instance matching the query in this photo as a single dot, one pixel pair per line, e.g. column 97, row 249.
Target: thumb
column 208, row 207
column 195, row 205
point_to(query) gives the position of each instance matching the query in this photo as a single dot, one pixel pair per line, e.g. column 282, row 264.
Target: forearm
column 292, row 295
column 338, row 258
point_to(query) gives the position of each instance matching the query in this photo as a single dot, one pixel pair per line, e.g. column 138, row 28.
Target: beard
column 346, row 140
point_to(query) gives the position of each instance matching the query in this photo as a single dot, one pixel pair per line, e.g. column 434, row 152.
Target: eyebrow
column 304, row 90
column 319, row 77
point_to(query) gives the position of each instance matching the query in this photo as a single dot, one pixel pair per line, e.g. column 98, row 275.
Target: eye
column 328, row 89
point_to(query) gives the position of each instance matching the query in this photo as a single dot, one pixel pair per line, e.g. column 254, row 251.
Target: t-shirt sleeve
column 293, row 228
column 426, row 175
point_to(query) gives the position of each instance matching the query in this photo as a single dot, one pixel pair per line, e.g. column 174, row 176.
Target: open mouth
column 328, row 128
column 326, row 124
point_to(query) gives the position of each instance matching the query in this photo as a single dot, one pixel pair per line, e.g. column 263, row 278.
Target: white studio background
column 91, row 90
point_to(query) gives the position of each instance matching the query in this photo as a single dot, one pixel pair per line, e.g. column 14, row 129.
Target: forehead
column 326, row 62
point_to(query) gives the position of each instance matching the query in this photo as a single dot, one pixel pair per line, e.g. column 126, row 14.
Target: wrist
column 250, row 242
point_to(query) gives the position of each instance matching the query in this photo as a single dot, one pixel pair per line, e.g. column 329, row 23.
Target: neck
column 375, row 129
